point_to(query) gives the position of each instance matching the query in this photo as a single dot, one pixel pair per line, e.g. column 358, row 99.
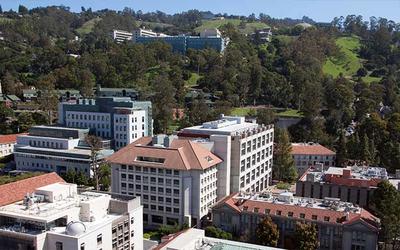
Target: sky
column 319, row 10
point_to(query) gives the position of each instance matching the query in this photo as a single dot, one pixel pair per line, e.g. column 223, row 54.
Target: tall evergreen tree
column 284, row 166
column 341, row 150
column 365, row 150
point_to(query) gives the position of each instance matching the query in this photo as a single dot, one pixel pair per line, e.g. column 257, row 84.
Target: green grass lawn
column 243, row 111
column 369, row 79
column 153, row 25
column 249, row 28
column 88, row 26
column 348, row 61
column 192, row 81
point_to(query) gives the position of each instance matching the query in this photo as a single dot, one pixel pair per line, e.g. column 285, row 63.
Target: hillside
column 249, row 27
column 88, row 26
column 348, row 62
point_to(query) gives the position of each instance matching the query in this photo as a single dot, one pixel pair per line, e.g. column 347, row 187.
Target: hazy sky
column 320, row 10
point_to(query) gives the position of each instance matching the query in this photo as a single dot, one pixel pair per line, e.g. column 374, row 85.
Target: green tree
column 267, row 233
column 266, row 116
column 214, row 232
column 306, row 236
column 47, row 96
column 22, row 10
column 87, row 83
column 341, row 150
column 386, row 203
column 163, row 103
column 365, row 149
column 105, row 176
column 95, row 145
column 25, row 122
column 284, row 166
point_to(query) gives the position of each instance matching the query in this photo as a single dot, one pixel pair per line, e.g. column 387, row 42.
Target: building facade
column 351, row 184
column 7, row 143
column 209, row 38
column 306, row 155
column 246, row 149
column 58, row 216
column 116, row 118
column 58, row 149
column 121, row 36
column 176, row 179
column 340, row 225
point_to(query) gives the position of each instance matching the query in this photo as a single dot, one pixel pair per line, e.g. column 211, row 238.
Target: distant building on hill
column 7, row 143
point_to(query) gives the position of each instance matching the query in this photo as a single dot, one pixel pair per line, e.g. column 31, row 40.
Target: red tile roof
column 9, row 138
column 181, row 155
column 352, row 182
column 15, row 191
column 310, row 149
column 248, row 206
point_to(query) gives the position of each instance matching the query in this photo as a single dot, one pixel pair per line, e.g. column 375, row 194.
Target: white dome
column 75, row 228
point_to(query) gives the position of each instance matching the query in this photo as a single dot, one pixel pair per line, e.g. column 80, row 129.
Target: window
column 290, row 214
column 302, row 216
column 326, row 218
column 278, row 212
column 59, row 245
column 267, row 211
column 99, row 239
column 314, row 217
column 83, row 246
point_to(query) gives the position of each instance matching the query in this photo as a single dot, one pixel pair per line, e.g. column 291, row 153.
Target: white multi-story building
column 246, row 149
column 58, row 149
column 116, row 118
column 7, row 143
column 176, row 179
column 121, row 35
column 58, row 217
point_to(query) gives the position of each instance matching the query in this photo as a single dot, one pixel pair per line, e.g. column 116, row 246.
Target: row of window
column 156, row 171
column 145, row 188
column 153, row 180
column 88, row 117
column 256, row 143
column 45, row 144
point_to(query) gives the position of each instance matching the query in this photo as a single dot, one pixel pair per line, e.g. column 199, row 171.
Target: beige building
column 7, row 143
column 310, row 154
column 176, row 179
column 341, row 226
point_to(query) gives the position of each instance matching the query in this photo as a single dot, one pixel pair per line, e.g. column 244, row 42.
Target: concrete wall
column 222, row 148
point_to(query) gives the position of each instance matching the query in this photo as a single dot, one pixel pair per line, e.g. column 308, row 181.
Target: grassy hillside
column 249, row 27
column 348, row 61
column 192, row 81
column 153, row 25
column 88, row 26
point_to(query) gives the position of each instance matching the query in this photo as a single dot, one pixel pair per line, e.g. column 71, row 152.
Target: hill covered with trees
column 334, row 74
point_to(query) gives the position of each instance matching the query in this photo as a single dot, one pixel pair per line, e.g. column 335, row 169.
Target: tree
column 386, row 203
column 267, row 233
column 306, row 236
column 214, row 232
column 1, row 9
column 341, row 150
column 87, row 83
column 47, row 96
column 95, row 145
column 105, row 176
column 284, row 167
column 22, row 10
column 25, row 122
column 265, row 116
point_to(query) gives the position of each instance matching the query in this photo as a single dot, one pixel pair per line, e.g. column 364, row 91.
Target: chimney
column 346, row 173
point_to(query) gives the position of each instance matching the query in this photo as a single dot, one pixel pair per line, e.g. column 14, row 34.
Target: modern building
column 116, row 118
column 195, row 239
column 245, row 148
column 58, row 216
column 209, row 38
column 176, row 179
column 7, row 143
column 58, row 149
column 340, row 225
column 263, row 36
column 310, row 154
column 121, row 36
column 351, row 184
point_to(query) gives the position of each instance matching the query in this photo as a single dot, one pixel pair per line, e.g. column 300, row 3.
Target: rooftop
column 38, row 211
column 180, row 155
column 4, row 139
column 326, row 210
column 195, row 239
column 16, row 191
column 310, row 149
column 361, row 176
column 229, row 125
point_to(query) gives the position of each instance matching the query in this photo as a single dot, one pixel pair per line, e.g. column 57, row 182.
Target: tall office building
column 245, row 148
column 117, row 118
column 176, row 179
